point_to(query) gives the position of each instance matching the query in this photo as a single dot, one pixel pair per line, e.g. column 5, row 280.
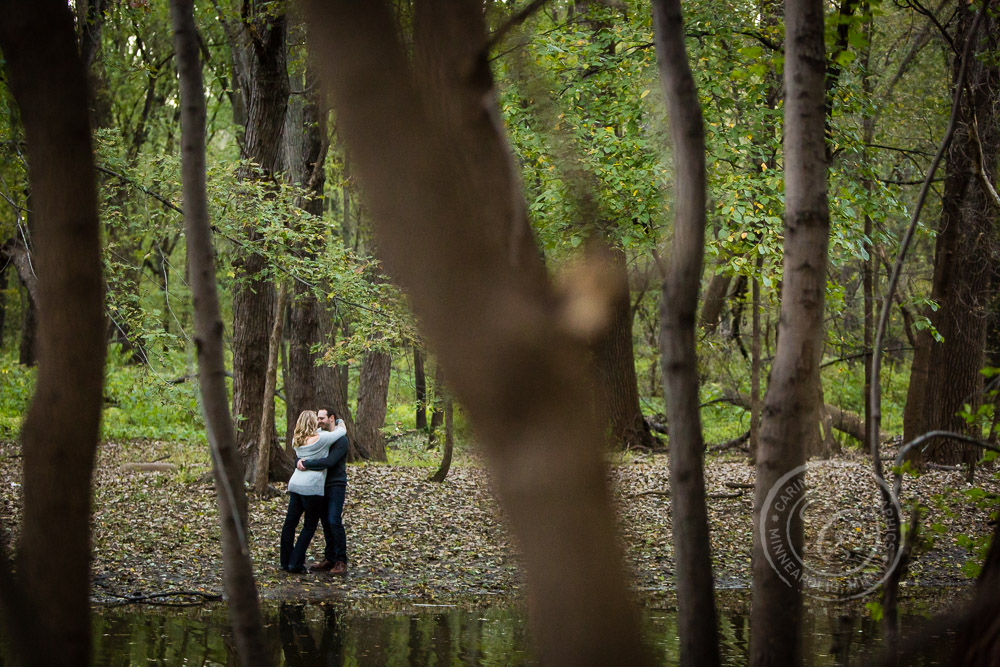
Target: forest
column 626, row 305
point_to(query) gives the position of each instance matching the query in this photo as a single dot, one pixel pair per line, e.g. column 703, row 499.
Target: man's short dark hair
column 329, row 413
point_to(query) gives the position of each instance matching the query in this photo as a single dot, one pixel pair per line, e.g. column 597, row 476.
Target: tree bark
column 264, row 83
column 444, row 193
column 755, row 362
column 18, row 254
column 979, row 644
column 27, row 352
column 265, row 434
column 616, row 386
column 373, row 395
column 47, row 617
column 437, row 413
column 790, row 409
column 713, row 302
column 238, row 579
column 696, row 616
column 4, row 280
column 965, row 251
column 306, row 147
column 449, row 441
column 915, row 421
column 420, row 380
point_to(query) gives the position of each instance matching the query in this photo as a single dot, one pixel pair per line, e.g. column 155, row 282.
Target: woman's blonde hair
column 305, row 427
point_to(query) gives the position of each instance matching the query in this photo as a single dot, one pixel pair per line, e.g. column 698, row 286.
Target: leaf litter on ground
column 410, row 539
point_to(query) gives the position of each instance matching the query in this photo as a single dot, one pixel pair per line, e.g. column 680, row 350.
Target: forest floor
column 410, row 539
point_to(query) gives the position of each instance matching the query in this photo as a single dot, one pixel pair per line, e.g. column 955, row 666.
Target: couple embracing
column 317, row 489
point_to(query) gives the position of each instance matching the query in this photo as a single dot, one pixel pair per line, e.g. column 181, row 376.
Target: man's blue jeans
column 333, row 525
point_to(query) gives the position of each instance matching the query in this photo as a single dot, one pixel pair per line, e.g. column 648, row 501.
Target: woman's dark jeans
column 294, row 558
column 333, row 525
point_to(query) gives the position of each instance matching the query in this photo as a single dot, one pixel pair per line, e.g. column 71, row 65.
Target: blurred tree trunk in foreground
column 426, row 139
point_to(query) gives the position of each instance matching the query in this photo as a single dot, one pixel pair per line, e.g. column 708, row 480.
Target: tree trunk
column 713, row 302
column 755, row 363
column 3, row 300
column 420, row 380
column 790, row 403
column 15, row 252
column 696, row 617
column 253, row 308
column 264, row 81
column 964, row 252
column 305, row 156
column 373, row 394
column 617, row 389
column 266, row 432
column 437, row 414
column 449, row 441
column 238, row 579
column 915, row 421
column 444, row 193
column 302, row 389
column 868, row 266
column 47, row 616
column 979, row 643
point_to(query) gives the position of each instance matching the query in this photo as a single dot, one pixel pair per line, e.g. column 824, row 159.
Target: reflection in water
column 340, row 634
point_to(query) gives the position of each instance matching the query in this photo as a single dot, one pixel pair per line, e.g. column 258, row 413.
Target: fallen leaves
column 156, row 531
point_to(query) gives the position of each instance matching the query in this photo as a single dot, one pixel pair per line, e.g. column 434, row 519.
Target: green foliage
column 583, row 123
column 18, row 387
column 140, row 405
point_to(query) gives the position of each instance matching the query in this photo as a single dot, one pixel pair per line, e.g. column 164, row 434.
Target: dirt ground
column 156, row 533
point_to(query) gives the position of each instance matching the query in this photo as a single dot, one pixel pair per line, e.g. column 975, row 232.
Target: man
column 334, row 492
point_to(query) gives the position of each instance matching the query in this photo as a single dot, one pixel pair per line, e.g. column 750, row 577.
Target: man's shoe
column 323, row 565
column 298, row 570
column 339, row 568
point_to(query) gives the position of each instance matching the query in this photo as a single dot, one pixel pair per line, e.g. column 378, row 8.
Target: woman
column 305, row 489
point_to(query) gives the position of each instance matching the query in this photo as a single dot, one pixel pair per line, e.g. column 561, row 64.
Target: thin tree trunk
column 868, row 266
column 47, row 617
column 449, row 441
column 437, row 414
column 27, row 353
column 790, row 409
column 696, row 617
column 238, row 579
column 18, row 254
column 4, row 279
column 755, row 363
column 444, row 193
column 266, row 432
column 420, row 380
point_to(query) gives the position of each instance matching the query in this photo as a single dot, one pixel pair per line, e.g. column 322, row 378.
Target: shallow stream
column 479, row 632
